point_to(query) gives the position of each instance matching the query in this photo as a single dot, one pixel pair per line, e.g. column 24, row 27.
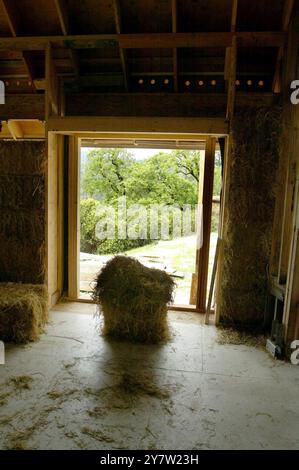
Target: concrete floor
column 209, row 396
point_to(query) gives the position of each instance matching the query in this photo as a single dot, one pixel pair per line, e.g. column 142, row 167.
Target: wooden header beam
column 144, row 41
column 168, row 125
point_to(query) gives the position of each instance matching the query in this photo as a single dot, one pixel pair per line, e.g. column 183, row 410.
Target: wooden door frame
column 206, row 190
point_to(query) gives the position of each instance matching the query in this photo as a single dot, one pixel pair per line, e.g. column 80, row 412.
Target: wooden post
column 206, row 200
column 287, row 165
column 52, row 87
column 74, row 218
column 291, row 308
column 222, row 220
column 213, row 280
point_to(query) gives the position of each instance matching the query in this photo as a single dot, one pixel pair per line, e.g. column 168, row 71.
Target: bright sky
column 139, row 154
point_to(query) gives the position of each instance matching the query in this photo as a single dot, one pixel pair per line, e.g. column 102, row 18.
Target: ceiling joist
column 64, row 24
column 122, row 53
column 175, row 51
column 147, row 41
column 231, row 65
column 13, row 26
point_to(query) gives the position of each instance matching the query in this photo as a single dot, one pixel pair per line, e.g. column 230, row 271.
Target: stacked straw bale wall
column 249, row 216
column 22, row 212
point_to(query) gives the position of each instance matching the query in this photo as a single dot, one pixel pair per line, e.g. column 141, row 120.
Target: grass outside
column 176, row 256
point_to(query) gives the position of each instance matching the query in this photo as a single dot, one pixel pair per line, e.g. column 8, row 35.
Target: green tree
column 158, row 181
column 188, row 163
column 105, row 173
column 88, row 222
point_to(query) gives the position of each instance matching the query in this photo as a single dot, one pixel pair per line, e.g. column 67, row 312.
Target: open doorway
column 143, row 201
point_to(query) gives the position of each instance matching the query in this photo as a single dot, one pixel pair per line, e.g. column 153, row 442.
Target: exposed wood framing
column 222, row 220
column 61, row 223
column 15, row 128
column 159, row 104
column 122, row 53
column 151, row 41
column 287, row 164
column 52, row 85
column 32, row 106
column 64, row 24
column 284, row 266
column 291, row 310
column 62, row 15
column 175, row 51
column 231, row 95
column 196, row 126
column 22, row 129
column 205, row 201
column 52, row 219
column 234, row 16
column 13, row 26
column 287, row 15
column 231, row 65
column 74, row 218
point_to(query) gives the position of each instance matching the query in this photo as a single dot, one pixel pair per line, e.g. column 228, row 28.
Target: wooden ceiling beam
column 124, row 125
column 159, row 104
column 201, row 40
column 234, row 16
column 231, row 65
column 231, row 95
column 148, row 41
column 63, row 16
column 122, row 53
column 174, row 10
column 29, row 105
column 13, row 26
column 286, row 19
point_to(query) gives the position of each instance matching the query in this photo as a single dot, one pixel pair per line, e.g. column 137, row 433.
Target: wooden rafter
column 64, row 24
column 231, row 95
column 152, row 41
column 122, row 53
column 231, row 65
column 287, row 15
column 175, row 51
column 13, row 26
column 62, row 15
column 234, row 16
